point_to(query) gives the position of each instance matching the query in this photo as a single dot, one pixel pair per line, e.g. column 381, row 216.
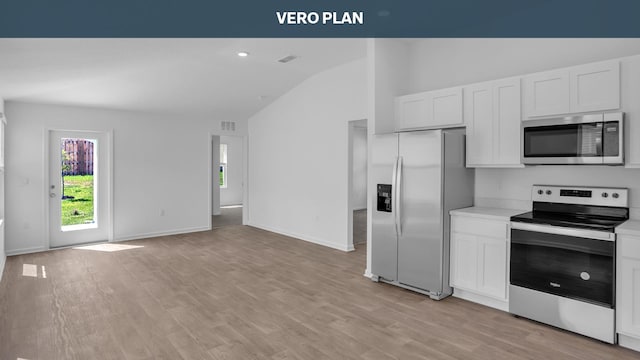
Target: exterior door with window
column 78, row 187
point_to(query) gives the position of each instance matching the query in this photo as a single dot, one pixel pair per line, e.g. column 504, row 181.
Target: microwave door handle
column 599, row 138
column 599, row 145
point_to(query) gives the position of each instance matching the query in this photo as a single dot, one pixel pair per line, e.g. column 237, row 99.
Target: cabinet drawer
column 628, row 246
column 480, row 227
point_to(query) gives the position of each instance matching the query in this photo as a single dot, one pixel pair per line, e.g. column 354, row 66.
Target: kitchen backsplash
column 511, row 188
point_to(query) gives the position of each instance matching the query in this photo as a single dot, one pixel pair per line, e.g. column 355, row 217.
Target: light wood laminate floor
column 242, row 293
column 228, row 216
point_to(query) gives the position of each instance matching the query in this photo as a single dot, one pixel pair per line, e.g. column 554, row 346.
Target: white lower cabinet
column 479, row 259
column 628, row 291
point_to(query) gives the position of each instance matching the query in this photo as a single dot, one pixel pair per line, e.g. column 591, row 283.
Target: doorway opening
column 228, row 181
column 358, row 159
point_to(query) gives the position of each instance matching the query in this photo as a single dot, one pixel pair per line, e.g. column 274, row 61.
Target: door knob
column 52, row 195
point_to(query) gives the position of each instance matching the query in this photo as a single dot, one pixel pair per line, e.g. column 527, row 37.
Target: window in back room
column 223, row 166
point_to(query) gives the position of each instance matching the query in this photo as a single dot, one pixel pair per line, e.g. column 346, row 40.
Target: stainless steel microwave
column 585, row 139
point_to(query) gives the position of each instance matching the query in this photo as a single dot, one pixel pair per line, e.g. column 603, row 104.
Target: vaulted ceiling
column 197, row 77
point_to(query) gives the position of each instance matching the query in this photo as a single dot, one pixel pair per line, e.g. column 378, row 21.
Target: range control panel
column 599, row 196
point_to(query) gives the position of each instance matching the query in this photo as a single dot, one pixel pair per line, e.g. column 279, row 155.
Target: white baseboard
column 29, row 250
column 117, row 239
column 480, row 299
column 161, row 233
column 341, row 247
column 629, row 342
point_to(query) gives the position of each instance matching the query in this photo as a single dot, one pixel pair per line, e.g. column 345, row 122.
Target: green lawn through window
column 78, row 210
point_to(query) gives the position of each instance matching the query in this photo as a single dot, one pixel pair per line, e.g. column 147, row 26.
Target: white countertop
column 630, row 227
column 487, row 212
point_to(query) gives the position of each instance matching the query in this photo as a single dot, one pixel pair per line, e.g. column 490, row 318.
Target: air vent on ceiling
column 286, row 59
column 228, row 125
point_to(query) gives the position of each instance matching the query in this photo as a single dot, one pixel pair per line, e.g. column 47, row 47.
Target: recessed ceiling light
column 243, row 54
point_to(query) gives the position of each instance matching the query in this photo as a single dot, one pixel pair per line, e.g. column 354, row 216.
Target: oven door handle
column 548, row 229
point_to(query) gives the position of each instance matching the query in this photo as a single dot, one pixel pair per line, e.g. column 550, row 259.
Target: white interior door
column 78, row 187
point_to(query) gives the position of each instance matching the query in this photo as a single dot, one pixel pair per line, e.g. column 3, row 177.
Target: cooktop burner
column 577, row 207
column 567, row 220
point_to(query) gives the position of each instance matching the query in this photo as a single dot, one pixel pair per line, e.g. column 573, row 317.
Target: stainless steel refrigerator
column 418, row 177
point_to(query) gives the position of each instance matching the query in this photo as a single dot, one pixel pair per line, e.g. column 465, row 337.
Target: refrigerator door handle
column 394, row 187
column 398, row 195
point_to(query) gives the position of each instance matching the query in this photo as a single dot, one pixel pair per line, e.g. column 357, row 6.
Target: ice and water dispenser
column 384, row 197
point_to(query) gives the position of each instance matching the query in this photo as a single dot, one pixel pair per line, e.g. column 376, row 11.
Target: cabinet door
column 547, row 93
column 464, row 261
column 507, row 115
column 446, row 107
column 630, row 84
column 411, row 111
column 628, row 286
column 492, row 267
column 595, row 86
column 629, row 296
column 2, row 123
column 478, row 115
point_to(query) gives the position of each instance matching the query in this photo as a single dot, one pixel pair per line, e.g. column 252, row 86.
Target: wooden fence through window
column 79, row 157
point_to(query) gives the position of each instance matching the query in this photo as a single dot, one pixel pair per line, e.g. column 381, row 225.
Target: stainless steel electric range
column 562, row 267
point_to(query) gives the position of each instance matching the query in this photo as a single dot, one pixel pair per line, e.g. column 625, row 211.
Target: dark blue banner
column 320, row 18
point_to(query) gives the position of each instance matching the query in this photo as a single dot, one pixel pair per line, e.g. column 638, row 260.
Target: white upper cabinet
column 446, row 107
column 411, row 111
column 478, row 116
column 584, row 88
column 3, row 121
column 547, row 93
column 595, row 86
column 506, row 104
column 430, row 109
column 630, row 93
column 2, row 124
column 492, row 115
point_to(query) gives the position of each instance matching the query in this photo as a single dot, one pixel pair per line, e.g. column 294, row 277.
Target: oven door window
column 573, row 267
column 570, row 140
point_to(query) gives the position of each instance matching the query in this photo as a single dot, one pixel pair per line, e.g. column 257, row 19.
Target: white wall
column 298, row 157
column 2, row 227
column 387, row 76
column 359, row 179
column 160, row 162
column 440, row 63
column 232, row 194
